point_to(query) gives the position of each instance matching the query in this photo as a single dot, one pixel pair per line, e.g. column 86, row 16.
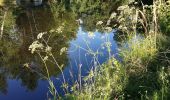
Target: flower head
column 36, row 46
column 99, row 23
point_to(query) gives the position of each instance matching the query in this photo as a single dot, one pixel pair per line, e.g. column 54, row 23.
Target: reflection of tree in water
column 32, row 22
column 29, row 79
column 29, row 23
column 3, row 83
column 14, row 54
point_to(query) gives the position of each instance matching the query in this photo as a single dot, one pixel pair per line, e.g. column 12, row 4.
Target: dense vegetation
column 143, row 70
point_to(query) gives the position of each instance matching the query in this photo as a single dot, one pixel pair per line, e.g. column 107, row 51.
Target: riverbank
column 143, row 73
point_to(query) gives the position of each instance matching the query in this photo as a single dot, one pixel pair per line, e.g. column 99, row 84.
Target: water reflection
column 3, row 83
column 28, row 22
column 25, row 3
column 13, row 54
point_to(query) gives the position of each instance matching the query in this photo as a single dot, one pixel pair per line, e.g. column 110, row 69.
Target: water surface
column 20, row 83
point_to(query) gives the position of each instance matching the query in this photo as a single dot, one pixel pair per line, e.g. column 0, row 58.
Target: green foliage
column 165, row 17
column 134, row 77
column 137, row 52
column 107, row 82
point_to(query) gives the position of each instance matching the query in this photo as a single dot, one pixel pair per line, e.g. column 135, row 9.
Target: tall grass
column 114, row 80
column 131, row 78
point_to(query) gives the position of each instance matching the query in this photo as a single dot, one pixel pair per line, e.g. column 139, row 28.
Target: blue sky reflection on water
column 77, row 55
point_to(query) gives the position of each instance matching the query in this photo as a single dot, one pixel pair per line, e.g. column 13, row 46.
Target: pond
column 22, row 27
